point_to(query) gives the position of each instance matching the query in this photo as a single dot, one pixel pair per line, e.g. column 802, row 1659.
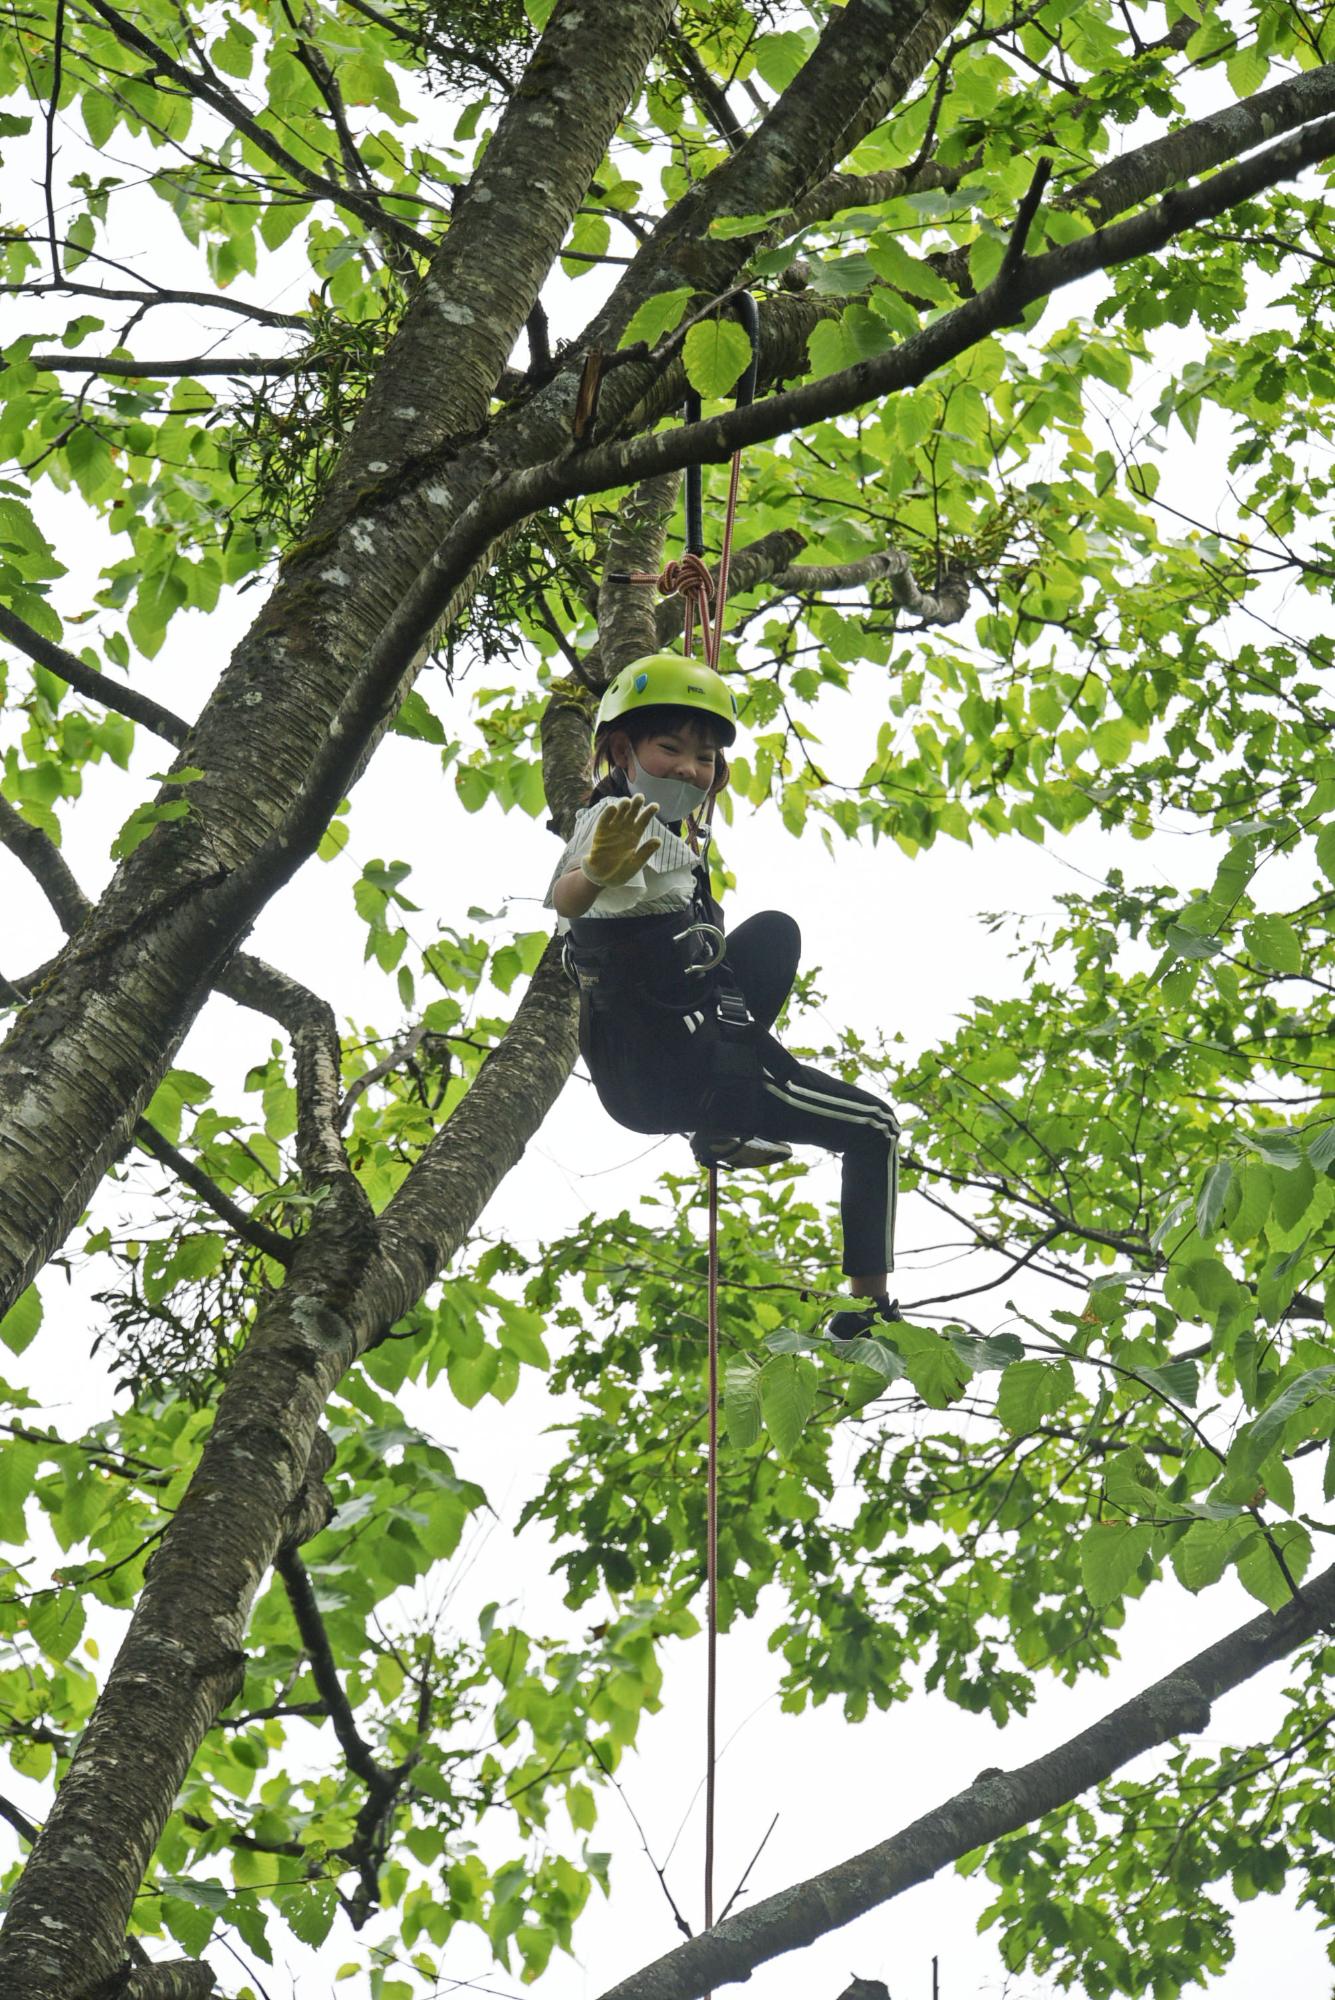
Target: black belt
column 670, row 958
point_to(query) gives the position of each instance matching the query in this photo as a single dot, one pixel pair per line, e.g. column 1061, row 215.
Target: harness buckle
column 713, row 935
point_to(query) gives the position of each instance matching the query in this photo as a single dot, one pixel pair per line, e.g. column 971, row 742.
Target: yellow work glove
column 619, row 848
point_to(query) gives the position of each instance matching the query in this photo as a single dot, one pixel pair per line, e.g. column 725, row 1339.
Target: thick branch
column 627, row 625
column 944, row 606
column 1194, row 149
column 183, row 1979
column 88, row 681
column 462, row 323
column 313, row 1033
column 997, row 1803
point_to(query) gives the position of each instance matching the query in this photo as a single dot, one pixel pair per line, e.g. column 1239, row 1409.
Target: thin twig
column 746, row 1872
column 54, row 105
column 397, row 1056
column 615, row 1782
column 257, row 1234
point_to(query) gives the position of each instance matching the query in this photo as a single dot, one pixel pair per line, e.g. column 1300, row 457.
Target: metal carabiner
column 705, row 931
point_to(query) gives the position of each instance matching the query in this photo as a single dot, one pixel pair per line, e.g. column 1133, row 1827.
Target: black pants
column 652, row 1070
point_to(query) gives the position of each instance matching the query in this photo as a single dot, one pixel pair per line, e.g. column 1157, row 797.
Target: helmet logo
column 641, row 683
column 691, row 688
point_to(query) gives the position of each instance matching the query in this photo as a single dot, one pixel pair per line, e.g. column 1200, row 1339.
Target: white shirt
column 665, row 882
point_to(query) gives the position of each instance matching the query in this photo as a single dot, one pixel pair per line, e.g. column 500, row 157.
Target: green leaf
column 779, row 56
column 1213, row 1194
column 142, row 822
column 311, row 1912
column 56, row 1621
column 787, row 1385
column 1110, row 1557
column 18, row 1328
column 716, row 353
column 1281, row 1147
column 1179, row 1381
column 1259, row 1567
column 936, row 1368
column 1032, row 1390
column 741, row 1403
column 1202, row 1555
column 1273, row 942
column 657, row 316
column 189, row 1923
column 1256, row 1440
column 1325, row 850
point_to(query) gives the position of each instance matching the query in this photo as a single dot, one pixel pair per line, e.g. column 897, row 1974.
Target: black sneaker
column 855, row 1322
column 715, row 1149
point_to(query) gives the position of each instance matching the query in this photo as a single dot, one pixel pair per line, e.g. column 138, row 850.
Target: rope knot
column 691, row 580
column 690, row 577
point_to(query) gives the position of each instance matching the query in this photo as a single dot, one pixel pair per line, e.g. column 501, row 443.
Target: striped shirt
column 665, row 882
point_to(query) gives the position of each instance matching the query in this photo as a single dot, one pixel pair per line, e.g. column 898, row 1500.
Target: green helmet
column 666, row 680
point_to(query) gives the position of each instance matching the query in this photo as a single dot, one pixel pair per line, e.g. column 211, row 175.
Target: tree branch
column 47, row 866
column 159, row 296
column 257, row 1234
column 88, row 681
column 627, row 624
column 383, row 1785
column 124, row 365
column 309, row 1022
column 22, row 1825
column 945, row 606
column 53, row 105
column 310, row 1026
column 183, row 1979
column 842, row 191
column 710, row 95
column 398, row 1055
column 995, row 1804
column 212, row 91
column 1208, row 142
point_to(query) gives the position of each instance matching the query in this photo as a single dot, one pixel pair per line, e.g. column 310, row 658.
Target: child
column 674, row 1025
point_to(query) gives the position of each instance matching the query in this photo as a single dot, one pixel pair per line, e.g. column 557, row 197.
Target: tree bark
column 182, row 1659
column 86, row 1053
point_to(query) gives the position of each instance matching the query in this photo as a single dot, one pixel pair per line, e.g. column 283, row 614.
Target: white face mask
column 672, row 798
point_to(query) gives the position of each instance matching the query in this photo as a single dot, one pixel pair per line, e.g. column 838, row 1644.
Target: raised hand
column 619, row 849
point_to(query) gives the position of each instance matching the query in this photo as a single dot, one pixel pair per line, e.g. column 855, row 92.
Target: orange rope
column 711, row 1543
column 691, row 577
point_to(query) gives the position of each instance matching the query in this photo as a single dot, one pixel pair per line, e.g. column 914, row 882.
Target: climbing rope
column 711, row 1561
column 705, row 601
column 705, row 604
